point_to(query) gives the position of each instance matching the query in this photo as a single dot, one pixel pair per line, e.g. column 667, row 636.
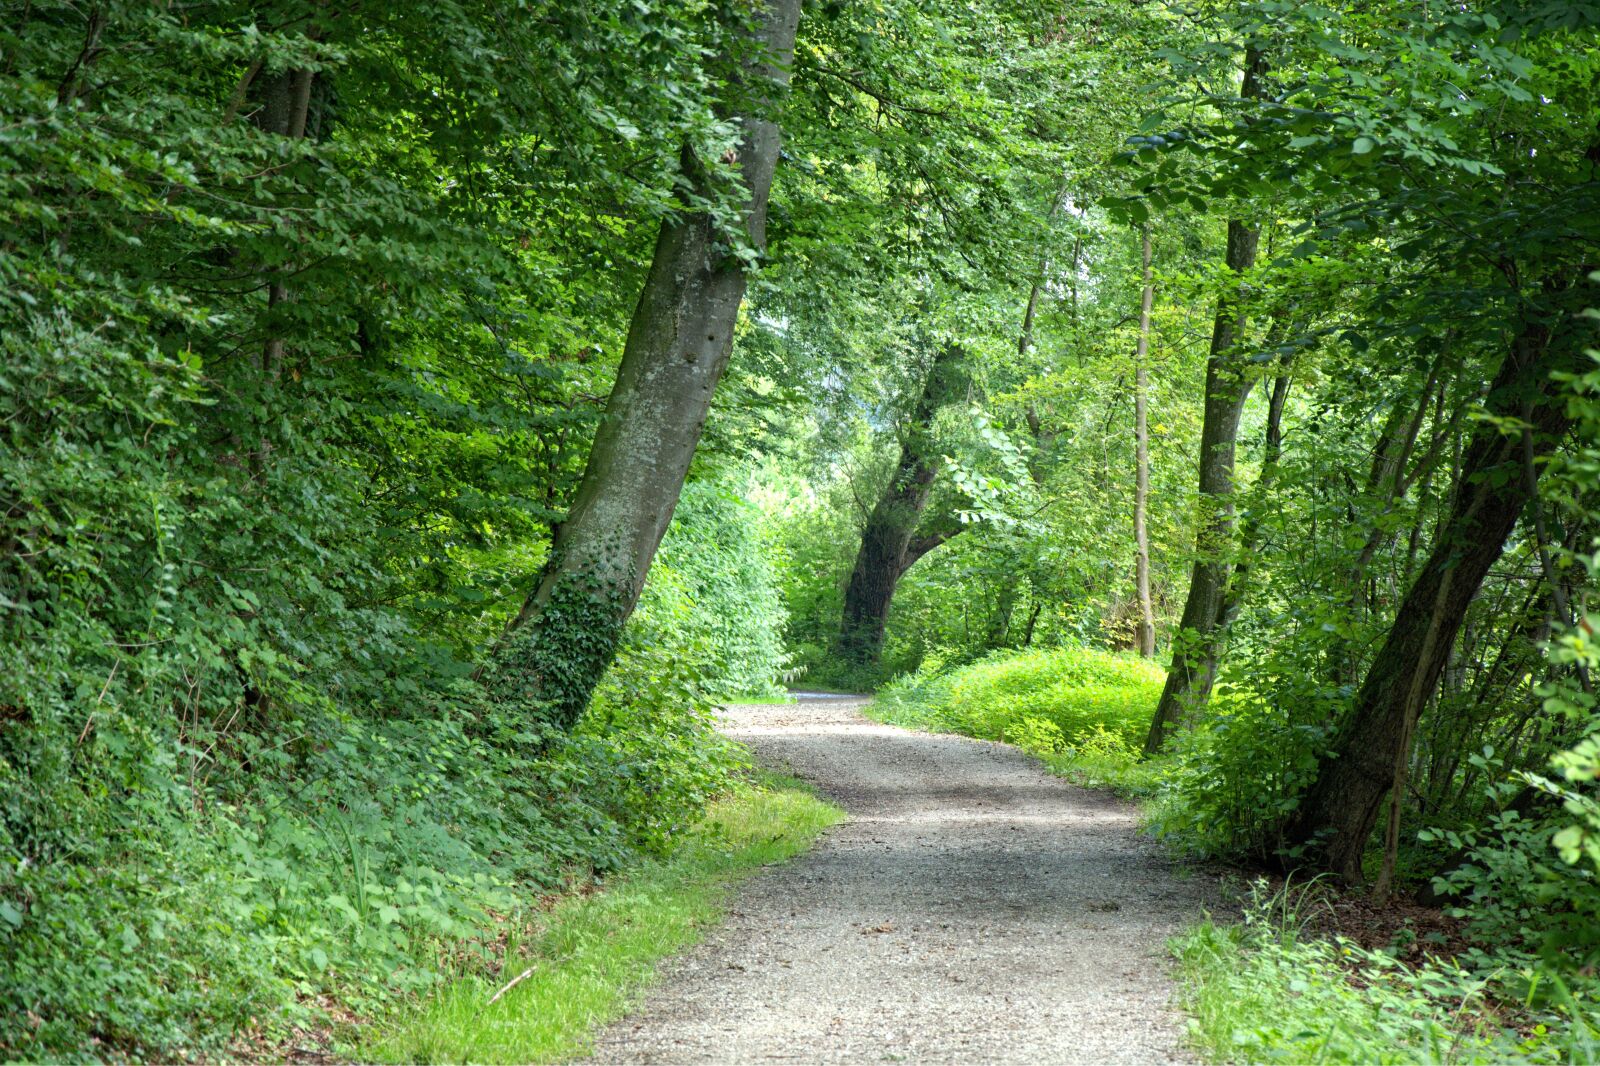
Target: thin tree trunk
column 1336, row 817
column 1227, row 388
column 1033, row 620
column 1389, row 479
column 1145, row 634
column 1042, row 438
column 998, row 633
column 1025, row 339
column 678, row 346
column 1209, row 656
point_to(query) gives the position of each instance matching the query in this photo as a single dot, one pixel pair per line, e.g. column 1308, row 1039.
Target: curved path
column 973, row 909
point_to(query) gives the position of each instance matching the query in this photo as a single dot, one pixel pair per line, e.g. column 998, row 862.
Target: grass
column 593, row 955
column 1262, row 991
column 1082, row 712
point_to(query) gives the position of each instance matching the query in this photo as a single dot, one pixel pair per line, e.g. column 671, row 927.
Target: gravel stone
column 973, row 909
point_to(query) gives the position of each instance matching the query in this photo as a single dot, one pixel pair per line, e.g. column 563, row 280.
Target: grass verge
column 1263, row 991
column 592, row 955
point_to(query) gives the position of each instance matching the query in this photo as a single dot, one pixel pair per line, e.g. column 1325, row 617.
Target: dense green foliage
column 714, row 588
column 307, row 320
column 310, row 316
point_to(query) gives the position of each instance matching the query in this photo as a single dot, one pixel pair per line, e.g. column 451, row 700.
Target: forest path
column 973, row 909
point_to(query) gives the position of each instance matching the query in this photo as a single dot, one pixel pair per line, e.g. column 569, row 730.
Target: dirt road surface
column 973, row 909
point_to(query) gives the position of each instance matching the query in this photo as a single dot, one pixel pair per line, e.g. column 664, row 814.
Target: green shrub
column 1076, row 690
column 1529, row 885
column 1235, row 776
column 1084, row 712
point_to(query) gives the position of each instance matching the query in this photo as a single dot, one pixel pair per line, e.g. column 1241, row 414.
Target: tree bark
column 1227, row 388
column 890, row 543
column 1209, row 655
column 285, row 109
column 1145, row 635
column 678, row 346
column 1336, row 816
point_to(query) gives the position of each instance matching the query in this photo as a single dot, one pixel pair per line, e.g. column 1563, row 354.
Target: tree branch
column 921, row 546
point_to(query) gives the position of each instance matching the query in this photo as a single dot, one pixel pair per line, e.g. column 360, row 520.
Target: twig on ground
column 514, row 982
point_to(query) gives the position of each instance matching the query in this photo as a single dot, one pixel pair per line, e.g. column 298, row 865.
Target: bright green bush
column 1083, row 712
column 1078, row 691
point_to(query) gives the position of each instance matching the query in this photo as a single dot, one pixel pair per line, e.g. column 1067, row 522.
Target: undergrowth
column 1263, row 990
column 349, row 872
column 582, row 963
column 182, row 889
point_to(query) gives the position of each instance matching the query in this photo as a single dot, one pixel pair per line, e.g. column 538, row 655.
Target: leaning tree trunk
column 677, row 349
column 1145, row 636
column 890, row 543
column 1336, row 816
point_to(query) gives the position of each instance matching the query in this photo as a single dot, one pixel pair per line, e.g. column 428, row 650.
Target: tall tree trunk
column 1336, row 817
column 1145, row 635
column 285, row 110
column 890, row 543
column 678, row 346
column 1227, row 388
column 1208, row 657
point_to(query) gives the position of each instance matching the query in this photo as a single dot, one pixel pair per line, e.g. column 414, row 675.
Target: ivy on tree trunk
column 678, row 346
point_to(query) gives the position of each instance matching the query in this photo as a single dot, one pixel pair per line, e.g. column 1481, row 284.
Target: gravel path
column 973, row 909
